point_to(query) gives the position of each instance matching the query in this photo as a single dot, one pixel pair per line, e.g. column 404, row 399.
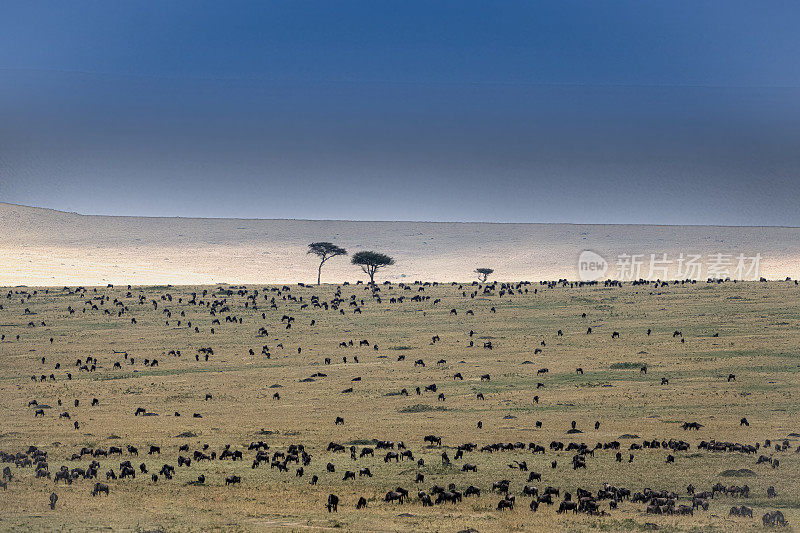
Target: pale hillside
column 46, row 247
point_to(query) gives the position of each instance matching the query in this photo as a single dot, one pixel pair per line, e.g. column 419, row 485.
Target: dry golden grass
column 758, row 341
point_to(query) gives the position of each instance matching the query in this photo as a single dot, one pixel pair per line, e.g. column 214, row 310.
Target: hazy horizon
column 390, row 221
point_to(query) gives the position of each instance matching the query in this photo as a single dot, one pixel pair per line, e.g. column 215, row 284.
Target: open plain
column 360, row 266
column 281, row 368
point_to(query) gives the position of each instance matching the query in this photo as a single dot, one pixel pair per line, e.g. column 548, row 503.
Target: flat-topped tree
column 483, row 273
column 324, row 250
column 370, row 262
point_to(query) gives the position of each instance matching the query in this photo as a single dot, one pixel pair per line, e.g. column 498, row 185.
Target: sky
column 681, row 112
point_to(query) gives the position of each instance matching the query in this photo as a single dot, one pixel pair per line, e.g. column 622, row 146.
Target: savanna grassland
column 758, row 340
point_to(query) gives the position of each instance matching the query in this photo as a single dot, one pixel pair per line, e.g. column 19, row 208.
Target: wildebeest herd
column 414, row 406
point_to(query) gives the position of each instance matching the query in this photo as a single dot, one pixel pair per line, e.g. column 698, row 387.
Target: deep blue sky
column 564, row 111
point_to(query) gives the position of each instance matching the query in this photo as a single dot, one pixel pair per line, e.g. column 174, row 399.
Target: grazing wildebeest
column 394, row 495
column 501, row 486
column 232, row 480
column 472, row 491
column 774, row 518
column 99, row 488
column 367, row 451
column 567, row 506
column 333, row 503
column 362, row 502
column 391, row 455
column 743, row 511
column 504, row 504
column 53, row 500
column 433, row 439
column 523, row 466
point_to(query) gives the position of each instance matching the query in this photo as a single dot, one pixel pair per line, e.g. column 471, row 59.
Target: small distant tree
column 324, row 250
column 483, row 273
column 370, row 262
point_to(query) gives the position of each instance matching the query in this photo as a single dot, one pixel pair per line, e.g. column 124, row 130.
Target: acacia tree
column 483, row 273
column 370, row 262
column 324, row 250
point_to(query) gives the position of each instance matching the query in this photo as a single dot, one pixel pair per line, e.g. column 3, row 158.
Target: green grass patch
column 421, row 408
column 627, row 365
